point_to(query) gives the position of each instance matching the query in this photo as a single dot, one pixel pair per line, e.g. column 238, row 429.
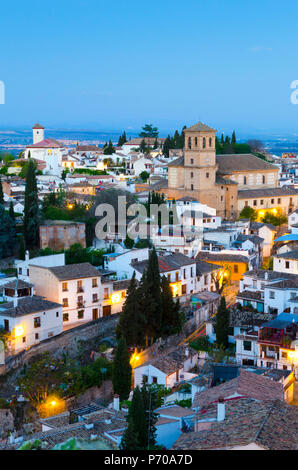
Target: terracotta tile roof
column 204, row 268
column 170, row 262
column 272, row 425
column 27, row 305
column 251, row 295
column 288, row 255
column 214, row 256
column 267, row 192
column 175, row 411
column 46, row 143
column 247, row 384
column 16, row 284
column 200, row 127
column 229, row 163
column 74, row 271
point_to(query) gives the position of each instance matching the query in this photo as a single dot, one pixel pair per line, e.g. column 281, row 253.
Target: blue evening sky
column 99, row 64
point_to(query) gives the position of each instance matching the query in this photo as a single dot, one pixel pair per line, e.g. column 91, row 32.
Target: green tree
column 130, row 438
column 131, row 323
column 222, row 324
column 150, row 298
column 137, row 415
column 149, row 131
column 31, row 209
column 150, row 403
column 11, row 212
column 128, row 242
column 22, row 248
column 172, row 318
column 277, row 219
column 8, row 239
column 167, row 146
column 234, row 138
column 109, row 149
column 1, row 193
column 144, row 175
column 248, row 213
column 121, row 376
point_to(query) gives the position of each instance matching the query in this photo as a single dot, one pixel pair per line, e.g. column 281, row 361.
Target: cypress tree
column 171, row 314
column 131, row 323
column 149, row 400
column 222, row 324
column 130, row 438
column 222, row 139
column 121, row 376
column 1, row 193
column 22, row 248
column 31, row 209
column 234, row 138
column 11, row 212
column 150, row 301
column 137, row 415
column 166, row 147
column 7, row 234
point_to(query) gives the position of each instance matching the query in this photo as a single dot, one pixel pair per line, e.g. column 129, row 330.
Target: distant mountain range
column 15, row 140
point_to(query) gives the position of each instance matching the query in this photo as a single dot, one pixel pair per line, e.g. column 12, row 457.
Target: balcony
column 81, row 304
column 80, row 290
column 276, row 339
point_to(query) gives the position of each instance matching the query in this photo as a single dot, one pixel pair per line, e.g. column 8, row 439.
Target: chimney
column 221, row 409
column 266, row 276
column 116, row 403
column 27, row 257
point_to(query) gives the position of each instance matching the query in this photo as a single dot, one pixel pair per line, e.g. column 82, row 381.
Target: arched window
column 204, row 142
column 210, row 141
column 196, row 141
column 189, row 142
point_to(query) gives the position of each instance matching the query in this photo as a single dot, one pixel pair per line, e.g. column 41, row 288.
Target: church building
column 225, row 182
column 49, row 151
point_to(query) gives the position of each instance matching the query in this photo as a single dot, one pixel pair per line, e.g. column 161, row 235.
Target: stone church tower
column 38, row 133
column 195, row 173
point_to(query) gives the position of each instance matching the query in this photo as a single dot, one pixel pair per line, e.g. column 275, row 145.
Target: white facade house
column 265, row 231
column 30, row 320
column 247, row 348
column 167, row 370
column 179, row 269
column 76, row 286
column 293, row 219
column 23, row 267
column 122, row 263
column 286, row 262
column 188, row 244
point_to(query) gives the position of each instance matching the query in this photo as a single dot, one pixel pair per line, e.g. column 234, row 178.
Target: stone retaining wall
column 68, row 341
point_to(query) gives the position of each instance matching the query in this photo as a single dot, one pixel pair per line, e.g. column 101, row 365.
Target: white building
column 265, row 231
column 76, row 286
column 122, row 263
column 286, row 262
column 178, row 268
column 30, row 320
column 23, row 267
column 49, row 151
column 167, row 370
